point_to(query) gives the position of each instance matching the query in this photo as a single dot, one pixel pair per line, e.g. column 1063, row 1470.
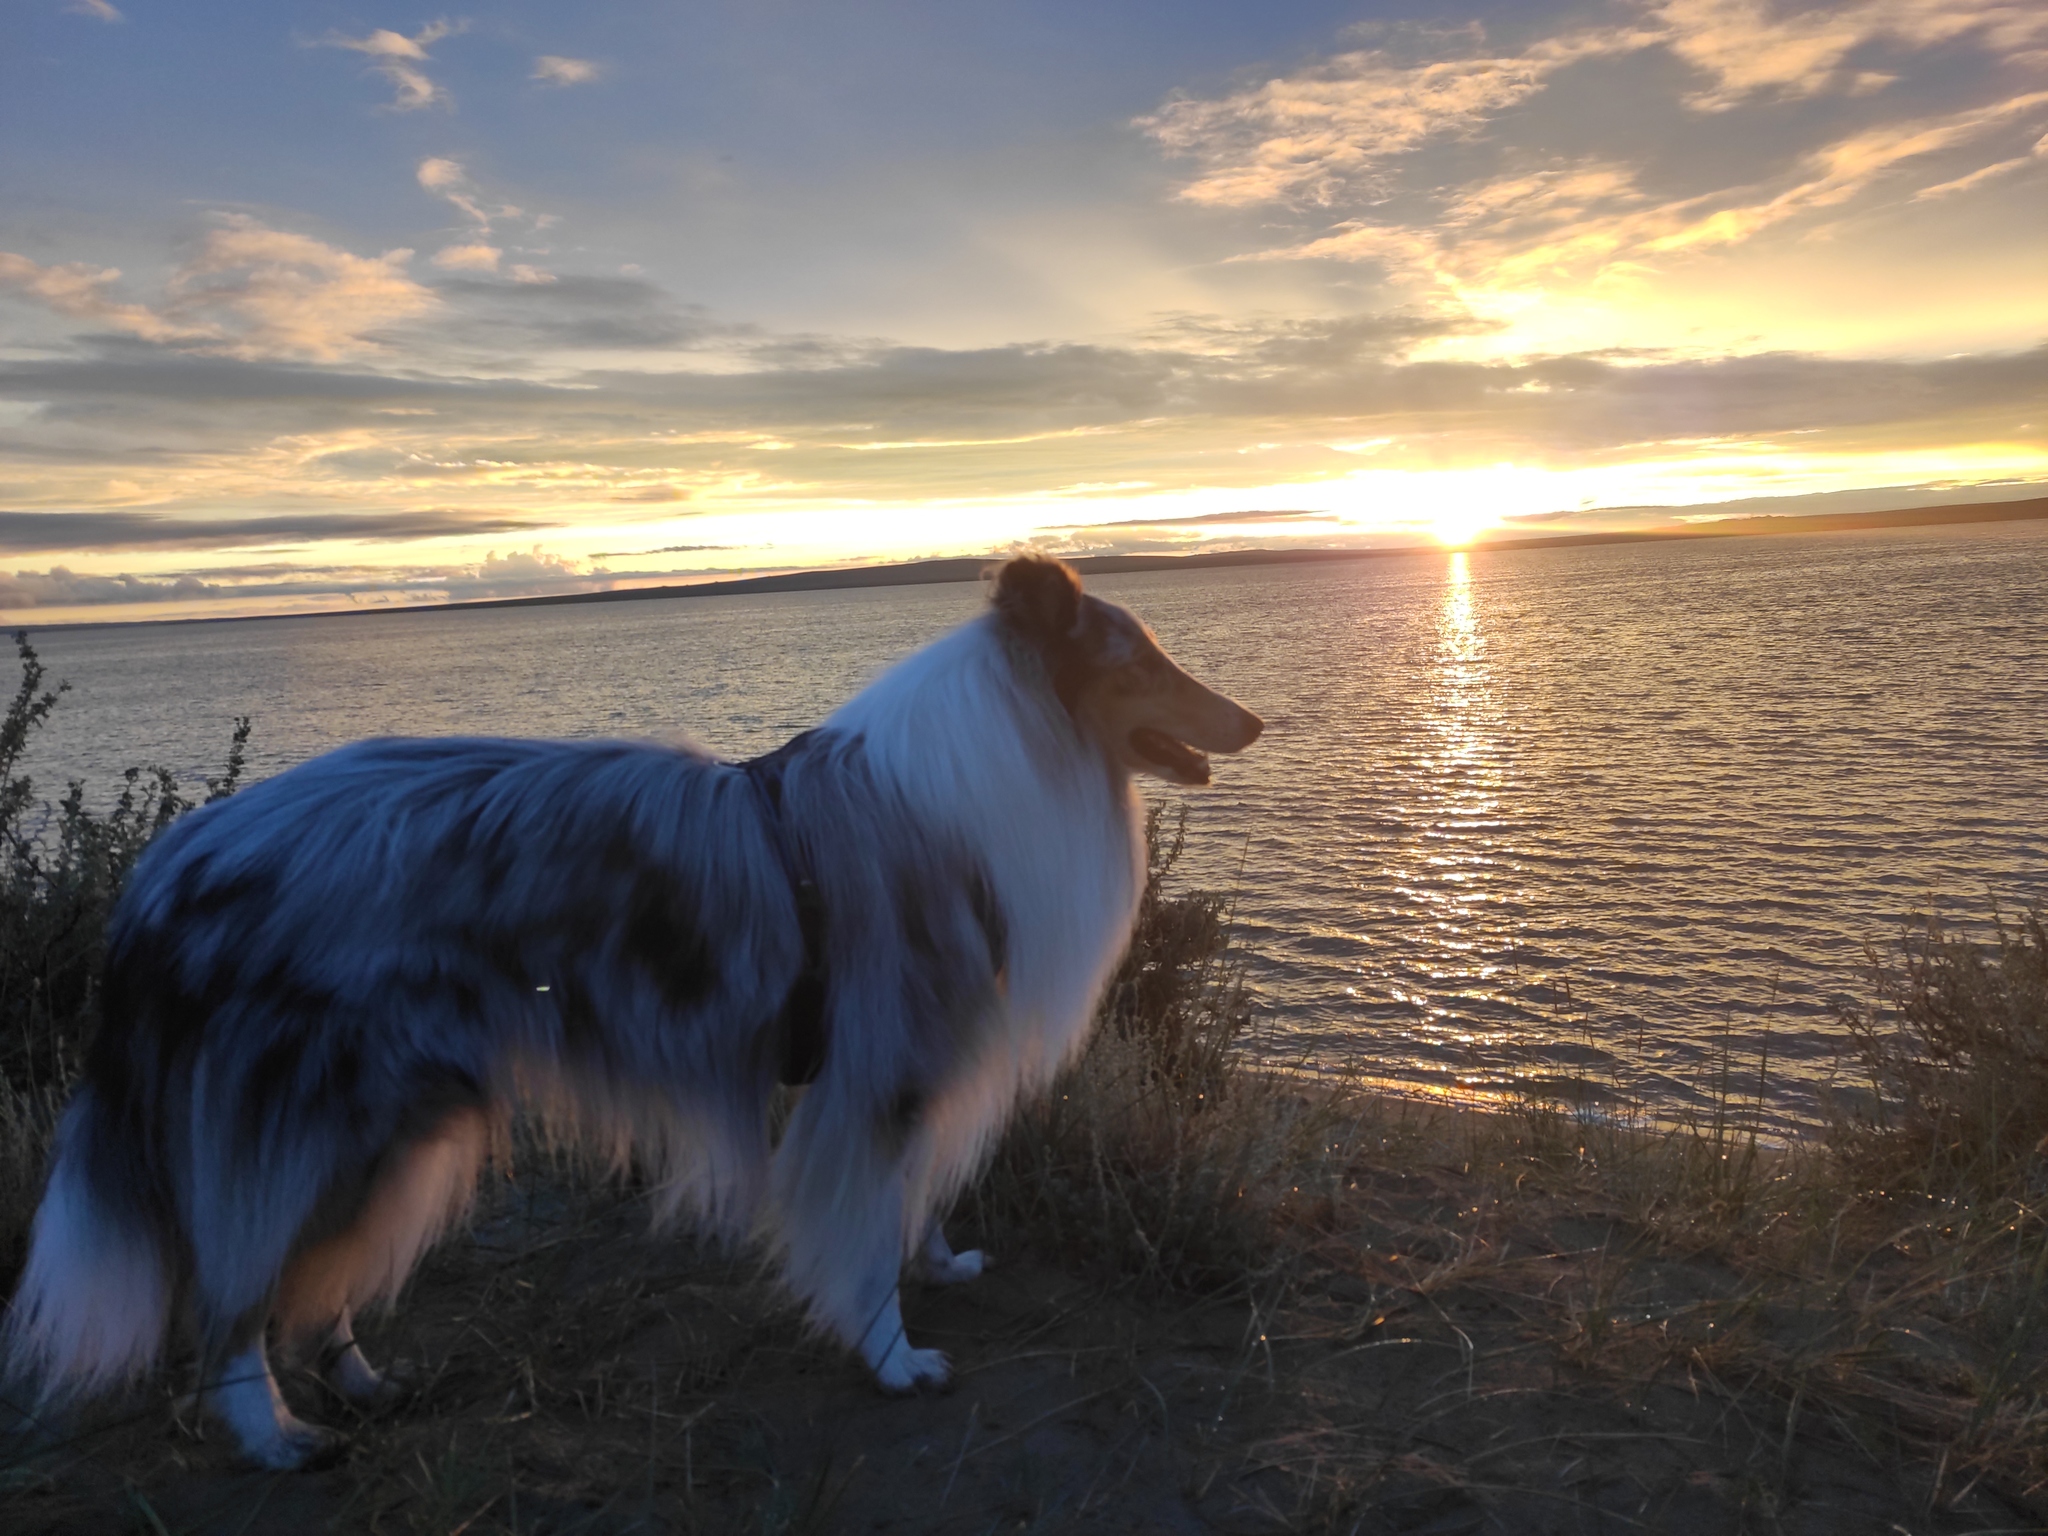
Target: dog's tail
column 95, row 1299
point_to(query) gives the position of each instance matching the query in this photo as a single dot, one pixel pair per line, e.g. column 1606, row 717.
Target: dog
column 325, row 996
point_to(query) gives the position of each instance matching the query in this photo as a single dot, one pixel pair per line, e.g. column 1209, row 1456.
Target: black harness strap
column 802, row 1020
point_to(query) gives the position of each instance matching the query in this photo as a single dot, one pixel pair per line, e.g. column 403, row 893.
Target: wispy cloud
column 528, row 573
column 35, row 532
column 1320, row 135
column 553, row 69
column 99, row 10
column 1986, row 173
column 1404, row 153
column 475, row 257
column 85, row 293
column 447, row 179
column 1754, row 48
column 401, row 61
column 1577, row 220
column 1205, row 520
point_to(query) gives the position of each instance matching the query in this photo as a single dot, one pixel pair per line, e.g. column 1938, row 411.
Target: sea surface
column 1620, row 818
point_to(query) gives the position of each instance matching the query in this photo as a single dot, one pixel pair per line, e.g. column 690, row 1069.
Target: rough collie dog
column 325, row 996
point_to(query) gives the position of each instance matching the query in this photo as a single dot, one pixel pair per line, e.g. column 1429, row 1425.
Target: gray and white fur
column 326, row 996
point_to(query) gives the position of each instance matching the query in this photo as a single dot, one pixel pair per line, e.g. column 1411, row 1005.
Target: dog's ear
column 1040, row 595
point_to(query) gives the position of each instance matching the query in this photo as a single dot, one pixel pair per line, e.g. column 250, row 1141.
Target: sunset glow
column 547, row 300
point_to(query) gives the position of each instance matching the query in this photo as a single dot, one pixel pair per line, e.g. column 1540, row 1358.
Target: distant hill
column 917, row 573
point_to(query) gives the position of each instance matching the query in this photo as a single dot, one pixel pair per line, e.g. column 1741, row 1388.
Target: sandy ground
column 1437, row 1362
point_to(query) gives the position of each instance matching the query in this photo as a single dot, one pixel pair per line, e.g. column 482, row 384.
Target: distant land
column 917, row 573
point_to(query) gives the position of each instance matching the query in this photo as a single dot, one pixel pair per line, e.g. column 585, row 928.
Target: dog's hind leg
column 350, row 1374
column 420, row 1186
column 938, row 1264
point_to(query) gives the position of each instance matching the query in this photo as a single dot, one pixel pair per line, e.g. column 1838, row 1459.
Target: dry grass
column 1225, row 1300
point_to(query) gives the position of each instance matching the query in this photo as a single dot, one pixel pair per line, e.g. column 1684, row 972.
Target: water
column 1602, row 813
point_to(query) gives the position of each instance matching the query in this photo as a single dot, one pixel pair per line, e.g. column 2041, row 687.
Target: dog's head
column 1113, row 678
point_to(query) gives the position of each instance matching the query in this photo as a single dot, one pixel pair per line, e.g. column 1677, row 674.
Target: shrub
column 1955, row 1051
column 1163, row 1153
column 61, row 870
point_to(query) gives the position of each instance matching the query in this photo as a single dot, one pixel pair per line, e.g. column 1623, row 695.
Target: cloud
column 666, row 549
column 1227, row 407
column 400, row 61
column 99, row 10
column 436, row 173
column 250, row 291
column 521, row 573
column 1454, row 166
column 1755, row 48
column 62, row 587
column 1320, row 135
column 552, row 69
column 32, row 532
column 81, row 292
column 1204, row 520
column 283, row 294
column 468, row 258
column 1985, row 173
column 541, row 311
column 447, row 179
column 1578, row 220
column 1328, row 134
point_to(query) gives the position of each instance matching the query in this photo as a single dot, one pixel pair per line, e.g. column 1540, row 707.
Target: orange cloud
column 1306, row 137
column 468, row 258
column 1750, row 48
column 399, row 60
column 81, row 292
column 251, row 292
column 552, row 69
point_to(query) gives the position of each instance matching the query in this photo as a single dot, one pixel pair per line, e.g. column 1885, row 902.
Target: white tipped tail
column 95, row 1298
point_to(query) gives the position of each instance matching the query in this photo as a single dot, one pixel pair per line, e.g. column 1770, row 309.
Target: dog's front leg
column 938, row 1264
column 840, row 1186
column 237, row 1387
column 870, row 1310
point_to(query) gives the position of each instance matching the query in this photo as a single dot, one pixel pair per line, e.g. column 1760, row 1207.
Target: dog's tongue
column 1176, row 757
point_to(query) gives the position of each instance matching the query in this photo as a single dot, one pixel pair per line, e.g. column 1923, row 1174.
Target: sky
column 311, row 306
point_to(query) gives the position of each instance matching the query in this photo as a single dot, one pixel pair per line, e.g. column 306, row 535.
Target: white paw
column 295, row 1444
column 913, row 1370
column 955, row 1267
column 364, row 1386
column 244, row 1397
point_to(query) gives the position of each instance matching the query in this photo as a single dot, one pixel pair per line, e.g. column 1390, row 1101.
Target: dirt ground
column 1428, row 1360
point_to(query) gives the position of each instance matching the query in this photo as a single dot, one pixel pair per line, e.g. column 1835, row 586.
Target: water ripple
column 1517, row 819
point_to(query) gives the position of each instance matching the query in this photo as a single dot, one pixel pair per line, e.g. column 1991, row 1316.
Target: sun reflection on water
column 1454, row 870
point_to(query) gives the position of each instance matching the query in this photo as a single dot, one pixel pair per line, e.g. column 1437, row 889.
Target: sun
column 1455, row 527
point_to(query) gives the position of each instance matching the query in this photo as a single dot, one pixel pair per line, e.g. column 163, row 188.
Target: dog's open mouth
column 1179, row 759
